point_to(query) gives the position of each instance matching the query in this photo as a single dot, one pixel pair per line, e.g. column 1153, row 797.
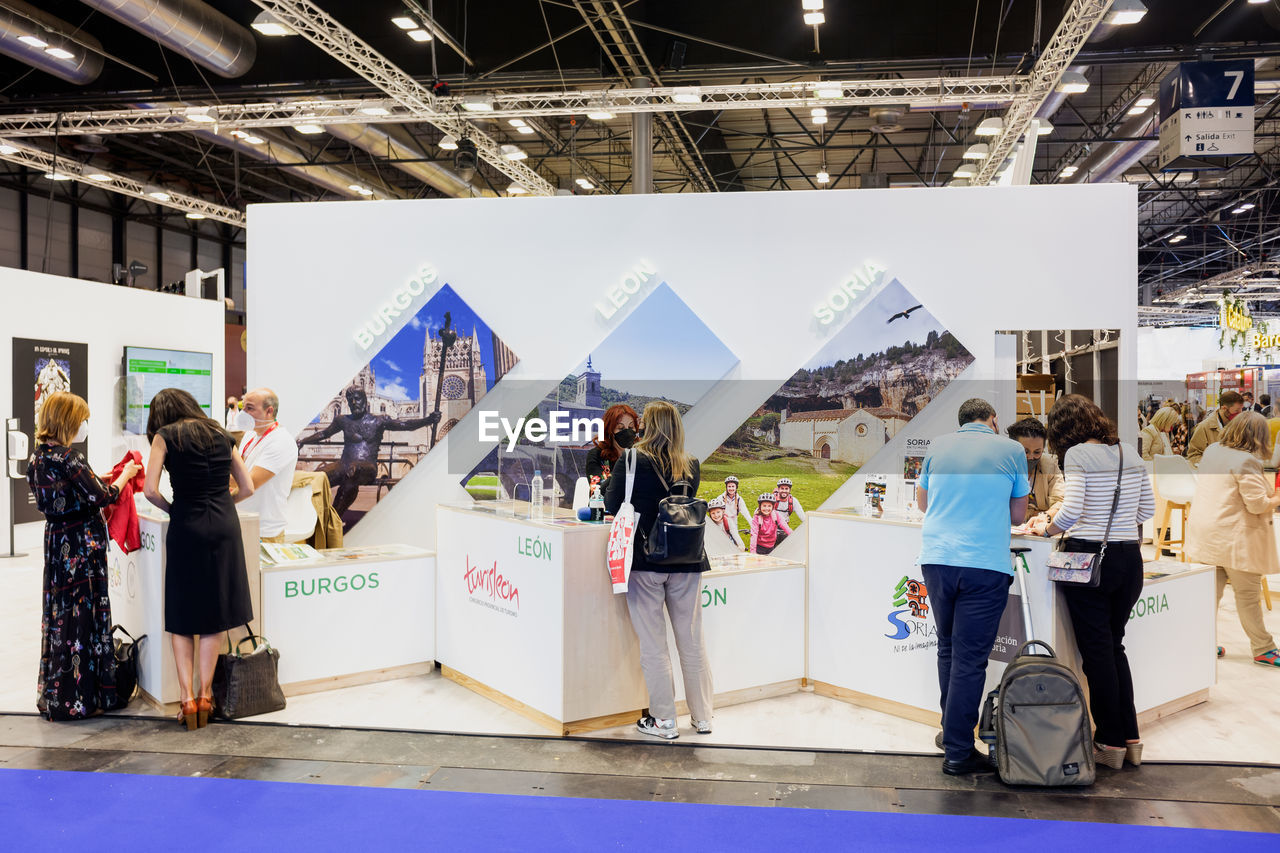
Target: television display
column 147, row 371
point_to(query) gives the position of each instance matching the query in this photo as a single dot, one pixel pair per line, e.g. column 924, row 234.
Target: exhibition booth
column 432, row 358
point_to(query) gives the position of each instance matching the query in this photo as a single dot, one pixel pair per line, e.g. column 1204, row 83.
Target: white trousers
column 680, row 591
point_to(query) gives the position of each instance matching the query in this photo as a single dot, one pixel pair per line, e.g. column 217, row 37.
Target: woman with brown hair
column 1232, row 526
column 1092, row 513
column 77, row 676
column 620, row 424
column 661, row 463
column 206, row 586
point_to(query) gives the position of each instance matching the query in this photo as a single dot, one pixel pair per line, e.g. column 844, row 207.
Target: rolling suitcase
column 1036, row 720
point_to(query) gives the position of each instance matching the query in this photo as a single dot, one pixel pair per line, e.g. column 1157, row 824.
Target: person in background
column 1264, row 406
column 206, row 589
column 270, row 454
column 1233, row 525
column 1155, row 440
column 1086, row 441
column 787, row 502
column 661, row 462
column 620, row 425
column 1043, row 473
column 718, row 523
column 768, row 528
column 232, row 413
column 1230, row 404
column 1179, row 434
column 735, row 506
column 1249, row 405
column 972, row 487
column 77, row 676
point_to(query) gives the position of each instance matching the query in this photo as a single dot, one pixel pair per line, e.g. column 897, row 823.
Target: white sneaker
column 702, row 727
column 665, row 729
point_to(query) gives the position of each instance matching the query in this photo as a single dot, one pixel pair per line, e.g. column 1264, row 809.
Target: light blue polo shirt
column 971, row 475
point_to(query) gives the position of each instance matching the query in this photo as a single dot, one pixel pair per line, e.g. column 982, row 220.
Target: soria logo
column 910, row 619
column 489, row 584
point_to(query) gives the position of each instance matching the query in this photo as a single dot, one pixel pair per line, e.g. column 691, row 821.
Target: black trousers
column 1099, row 616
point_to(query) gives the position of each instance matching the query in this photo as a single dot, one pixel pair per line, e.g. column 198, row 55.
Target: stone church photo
column 403, row 403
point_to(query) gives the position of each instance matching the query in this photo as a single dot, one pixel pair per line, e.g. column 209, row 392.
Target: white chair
column 299, row 515
column 1174, row 486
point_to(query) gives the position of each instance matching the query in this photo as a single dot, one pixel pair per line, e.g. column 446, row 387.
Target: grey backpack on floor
column 1039, row 723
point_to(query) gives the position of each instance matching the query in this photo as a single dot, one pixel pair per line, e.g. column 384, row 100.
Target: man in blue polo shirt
column 972, row 487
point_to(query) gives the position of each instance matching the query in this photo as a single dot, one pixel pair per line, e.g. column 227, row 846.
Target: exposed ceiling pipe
column 189, row 27
column 16, row 21
column 394, row 143
column 1109, row 162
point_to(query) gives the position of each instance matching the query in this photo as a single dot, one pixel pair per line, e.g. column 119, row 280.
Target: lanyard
column 257, row 439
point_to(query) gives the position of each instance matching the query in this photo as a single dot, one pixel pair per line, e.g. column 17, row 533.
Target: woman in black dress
column 77, row 663
column 620, row 425
column 206, row 585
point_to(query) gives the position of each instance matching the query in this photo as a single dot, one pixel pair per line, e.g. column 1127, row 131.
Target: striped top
column 1090, row 471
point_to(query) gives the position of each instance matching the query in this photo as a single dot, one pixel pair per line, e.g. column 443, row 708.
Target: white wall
column 108, row 319
column 752, row 266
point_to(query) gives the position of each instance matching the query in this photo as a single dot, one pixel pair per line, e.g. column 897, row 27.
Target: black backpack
column 675, row 539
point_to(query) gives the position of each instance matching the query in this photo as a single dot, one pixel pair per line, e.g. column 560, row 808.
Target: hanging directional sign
column 1206, row 114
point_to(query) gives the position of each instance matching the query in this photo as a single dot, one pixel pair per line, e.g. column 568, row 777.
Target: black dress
column 77, row 666
column 597, row 465
column 206, row 587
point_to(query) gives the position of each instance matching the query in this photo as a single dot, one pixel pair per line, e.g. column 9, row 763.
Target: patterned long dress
column 77, row 663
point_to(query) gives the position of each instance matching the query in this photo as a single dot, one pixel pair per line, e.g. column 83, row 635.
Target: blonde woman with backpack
column 661, row 463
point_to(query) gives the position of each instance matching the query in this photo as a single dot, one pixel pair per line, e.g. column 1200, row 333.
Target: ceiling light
column 585, row 184
column 811, row 5
column 965, row 172
column 686, row 95
column 600, row 114
column 1068, row 171
column 1136, row 110
column 99, row 176
column 8, row 149
column 269, row 25
column 57, row 176
column 1144, row 102
column 404, row 22
column 201, row 114
column 253, row 140
column 1177, row 238
column 516, row 188
column 828, row 91
column 477, row 104
column 822, row 177
column 958, row 182
column 308, row 127
column 1125, row 12
column 449, row 142
column 419, row 35
column 1072, row 83
column 516, row 122
column 194, row 215
column 59, row 53
column 375, row 111
column 1240, row 210
column 1046, row 127
column 1257, row 2
column 160, row 195
column 977, row 151
column 526, row 130
column 34, row 42
column 1248, row 205
column 361, row 189
column 814, row 18
column 512, row 152
column 993, row 126
column 819, row 115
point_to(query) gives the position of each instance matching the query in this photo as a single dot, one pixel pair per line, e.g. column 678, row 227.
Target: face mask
column 82, row 433
column 625, row 437
column 244, row 421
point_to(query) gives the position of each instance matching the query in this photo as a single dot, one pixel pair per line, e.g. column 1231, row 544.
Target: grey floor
column 1240, row 797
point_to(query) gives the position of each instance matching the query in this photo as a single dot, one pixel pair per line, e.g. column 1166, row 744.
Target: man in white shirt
column 271, row 455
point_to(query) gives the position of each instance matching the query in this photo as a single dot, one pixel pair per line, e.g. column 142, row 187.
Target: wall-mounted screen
column 148, row 371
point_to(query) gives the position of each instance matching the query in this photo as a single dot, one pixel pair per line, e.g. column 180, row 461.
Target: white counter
column 353, row 616
column 866, row 647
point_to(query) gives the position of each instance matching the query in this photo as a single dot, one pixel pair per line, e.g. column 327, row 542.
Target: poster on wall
column 401, row 404
column 838, row 411
column 41, row 368
column 632, row 366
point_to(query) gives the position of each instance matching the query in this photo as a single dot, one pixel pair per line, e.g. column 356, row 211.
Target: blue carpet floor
column 54, row 810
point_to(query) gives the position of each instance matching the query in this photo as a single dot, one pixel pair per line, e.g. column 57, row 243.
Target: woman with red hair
column 620, row 424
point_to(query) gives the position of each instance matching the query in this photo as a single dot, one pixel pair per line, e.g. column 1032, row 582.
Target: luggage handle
column 1019, row 553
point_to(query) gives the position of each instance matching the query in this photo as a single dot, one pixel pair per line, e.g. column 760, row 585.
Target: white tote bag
column 622, row 535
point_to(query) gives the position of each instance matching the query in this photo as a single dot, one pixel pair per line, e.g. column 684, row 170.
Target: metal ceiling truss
column 1077, row 25
column 317, row 26
column 1114, row 114
column 49, row 164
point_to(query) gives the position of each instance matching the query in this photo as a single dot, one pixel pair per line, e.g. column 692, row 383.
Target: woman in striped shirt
column 1082, row 436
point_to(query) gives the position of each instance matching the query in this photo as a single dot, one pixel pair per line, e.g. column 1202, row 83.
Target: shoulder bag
column 247, row 685
column 1082, row 568
column 126, row 654
column 622, row 533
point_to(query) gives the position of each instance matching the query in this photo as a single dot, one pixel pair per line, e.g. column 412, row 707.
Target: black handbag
column 1084, row 568
column 676, row 537
column 247, row 685
column 126, row 655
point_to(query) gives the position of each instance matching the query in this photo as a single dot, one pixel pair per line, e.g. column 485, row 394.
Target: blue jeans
column 967, row 605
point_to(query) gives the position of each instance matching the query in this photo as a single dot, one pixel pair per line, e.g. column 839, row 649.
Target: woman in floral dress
column 77, row 661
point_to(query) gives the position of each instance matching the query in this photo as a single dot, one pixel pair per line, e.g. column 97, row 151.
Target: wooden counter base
column 1170, row 708
column 355, row 679
column 875, row 703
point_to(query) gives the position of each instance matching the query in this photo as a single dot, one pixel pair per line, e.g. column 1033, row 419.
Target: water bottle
column 535, row 495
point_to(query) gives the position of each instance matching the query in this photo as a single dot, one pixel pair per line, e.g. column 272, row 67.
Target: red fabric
column 122, row 516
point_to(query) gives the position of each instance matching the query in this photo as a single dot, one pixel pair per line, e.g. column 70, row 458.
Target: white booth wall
column 106, row 318
column 751, row 266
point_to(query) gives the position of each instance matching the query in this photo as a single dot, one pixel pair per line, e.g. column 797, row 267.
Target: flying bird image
column 903, row 314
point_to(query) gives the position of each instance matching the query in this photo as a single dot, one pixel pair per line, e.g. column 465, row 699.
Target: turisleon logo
column 910, row 622
column 490, row 588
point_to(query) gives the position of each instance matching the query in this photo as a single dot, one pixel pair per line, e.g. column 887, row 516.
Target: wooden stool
column 1162, row 527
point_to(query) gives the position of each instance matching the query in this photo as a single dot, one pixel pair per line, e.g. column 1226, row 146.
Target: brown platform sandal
column 204, row 710
column 189, row 714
